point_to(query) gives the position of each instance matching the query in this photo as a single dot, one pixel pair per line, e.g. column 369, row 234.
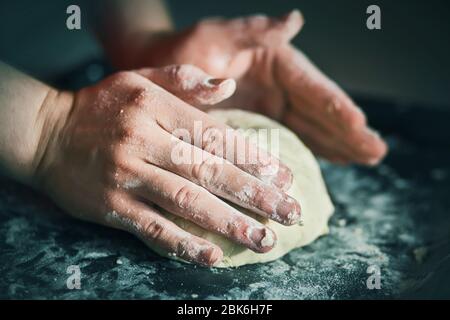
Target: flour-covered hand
column 110, row 159
column 273, row 78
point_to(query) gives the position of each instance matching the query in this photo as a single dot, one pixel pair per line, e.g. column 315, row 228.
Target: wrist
column 52, row 118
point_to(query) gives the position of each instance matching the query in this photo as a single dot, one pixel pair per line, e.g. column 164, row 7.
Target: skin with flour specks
column 307, row 187
column 111, row 163
column 273, row 77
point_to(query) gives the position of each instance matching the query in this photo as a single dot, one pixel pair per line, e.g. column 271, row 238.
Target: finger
column 189, row 201
column 320, row 151
column 316, row 97
column 332, row 117
column 149, row 225
column 360, row 142
column 292, row 24
column 190, row 84
column 361, row 146
column 303, row 81
column 221, row 178
column 264, row 30
column 319, row 143
column 179, row 118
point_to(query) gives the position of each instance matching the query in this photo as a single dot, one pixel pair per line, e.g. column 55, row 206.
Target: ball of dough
column 308, row 188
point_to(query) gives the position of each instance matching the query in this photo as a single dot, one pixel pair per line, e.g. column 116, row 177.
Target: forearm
column 125, row 27
column 29, row 110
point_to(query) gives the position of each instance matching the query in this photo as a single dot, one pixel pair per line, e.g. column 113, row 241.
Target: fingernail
column 263, row 239
column 283, row 178
column 216, row 81
column 375, row 148
column 288, row 211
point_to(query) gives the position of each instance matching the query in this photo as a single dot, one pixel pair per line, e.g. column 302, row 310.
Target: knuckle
column 122, row 176
column 236, row 227
column 182, row 247
column 129, row 131
column 186, row 197
column 124, row 77
column 258, row 22
column 334, row 103
column 207, row 27
column 118, row 155
column 138, row 96
column 259, row 197
column 111, row 198
column 345, row 108
column 201, row 27
column 153, row 230
column 180, row 72
column 212, row 140
column 208, row 172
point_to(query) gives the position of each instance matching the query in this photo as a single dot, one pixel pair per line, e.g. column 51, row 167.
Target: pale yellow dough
column 308, row 188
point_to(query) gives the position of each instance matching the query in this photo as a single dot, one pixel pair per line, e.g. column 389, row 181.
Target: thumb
column 190, row 83
column 292, row 24
column 267, row 31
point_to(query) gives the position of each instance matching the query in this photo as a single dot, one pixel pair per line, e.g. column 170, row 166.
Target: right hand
column 273, row 78
column 109, row 161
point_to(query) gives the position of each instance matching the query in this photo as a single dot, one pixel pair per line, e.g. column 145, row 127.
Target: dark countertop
column 394, row 216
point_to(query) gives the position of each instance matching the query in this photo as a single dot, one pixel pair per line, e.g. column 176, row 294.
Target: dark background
column 408, row 59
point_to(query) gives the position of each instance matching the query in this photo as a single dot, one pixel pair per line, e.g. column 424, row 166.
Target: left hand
column 273, row 78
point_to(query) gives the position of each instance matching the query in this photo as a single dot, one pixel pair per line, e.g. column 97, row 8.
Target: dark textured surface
column 394, row 216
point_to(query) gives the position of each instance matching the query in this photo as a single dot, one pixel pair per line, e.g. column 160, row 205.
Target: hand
column 110, row 160
column 273, row 78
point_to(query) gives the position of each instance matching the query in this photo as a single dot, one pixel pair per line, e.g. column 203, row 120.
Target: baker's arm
column 112, row 154
column 127, row 27
column 29, row 112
